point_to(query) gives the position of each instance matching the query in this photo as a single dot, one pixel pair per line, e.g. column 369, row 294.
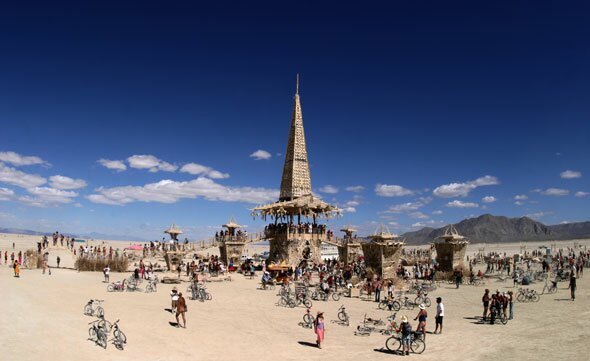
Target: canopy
column 231, row 224
column 173, row 230
column 307, row 206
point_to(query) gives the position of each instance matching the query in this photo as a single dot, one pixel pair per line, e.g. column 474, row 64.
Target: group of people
column 298, row 228
column 495, row 303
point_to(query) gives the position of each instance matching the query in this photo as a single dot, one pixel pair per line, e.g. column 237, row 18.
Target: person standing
column 406, row 330
column 58, row 261
column 106, row 271
column 181, row 309
column 421, row 317
column 16, row 266
column 319, row 328
column 378, row 286
column 440, row 313
column 572, row 286
column 510, row 305
column 174, row 296
column 486, row 303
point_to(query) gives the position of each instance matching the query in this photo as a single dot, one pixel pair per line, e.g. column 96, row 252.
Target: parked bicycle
column 152, row 286
column 422, row 298
column 343, row 315
column 119, row 338
column 526, row 295
column 98, row 334
column 93, row 308
column 417, row 344
column 116, row 286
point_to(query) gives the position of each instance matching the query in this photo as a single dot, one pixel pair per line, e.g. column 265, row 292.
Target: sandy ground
column 43, row 319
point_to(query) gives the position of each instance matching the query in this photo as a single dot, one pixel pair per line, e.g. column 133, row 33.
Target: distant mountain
column 499, row 229
column 92, row 235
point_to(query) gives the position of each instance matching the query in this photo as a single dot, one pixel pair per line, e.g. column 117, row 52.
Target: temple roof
column 173, row 230
column 308, row 206
column 383, row 235
column 451, row 235
column 231, row 224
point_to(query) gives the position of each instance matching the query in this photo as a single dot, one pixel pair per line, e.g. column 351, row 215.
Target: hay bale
column 117, row 264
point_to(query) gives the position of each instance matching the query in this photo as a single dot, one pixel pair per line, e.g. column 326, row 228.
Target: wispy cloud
column 392, row 190
column 169, row 191
column 581, row 194
column 63, row 182
column 20, row 160
column 409, row 206
column 117, row 165
column 261, row 155
column 46, row 196
column 329, row 189
column 519, row 203
column 355, row 189
column 462, row 189
column 521, row 197
column 437, row 212
column 6, row 194
column 418, row 215
column 202, row 170
column 553, row 192
column 489, row 199
column 570, row 174
column 15, row 177
column 538, row 215
column 153, row 164
column 460, row 204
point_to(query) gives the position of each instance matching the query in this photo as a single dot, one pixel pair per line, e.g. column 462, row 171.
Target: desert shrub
column 117, row 264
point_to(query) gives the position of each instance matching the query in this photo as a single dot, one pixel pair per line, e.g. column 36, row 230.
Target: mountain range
column 498, row 229
column 91, row 235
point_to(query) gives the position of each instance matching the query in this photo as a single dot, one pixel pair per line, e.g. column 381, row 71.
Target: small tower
column 383, row 253
column 450, row 252
column 232, row 245
column 350, row 250
column 173, row 231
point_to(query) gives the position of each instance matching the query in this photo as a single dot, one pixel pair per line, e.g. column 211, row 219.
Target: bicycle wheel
column 382, row 305
column 88, row 310
column 396, row 306
column 417, row 346
column 315, row 295
column 308, row 319
column 427, row 302
column 102, row 338
column 520, row 297
column 110, row 288
column 393, row 343
column 535, row 297
column 335, row 296
column 503, row 319
column 418, row 300
column 282, row 302
column 99, row 312
column 92, row 334
column 120, row 336
column 307, row 303
column 208, row 296
column 292, row 303
column 342, row 316
column 272, row 287
column 552, row 289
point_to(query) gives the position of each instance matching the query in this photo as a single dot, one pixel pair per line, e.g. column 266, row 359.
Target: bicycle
column 97, row 334
column 90, row 310
column 417, row 344
column 422, row 298
column 199, row 292
column 308, row 319
column 550, row 288
column 343, row 315
column 526, row 295
column 151, row 286
column 116, row 286
column 364, row 330
column 119, row 338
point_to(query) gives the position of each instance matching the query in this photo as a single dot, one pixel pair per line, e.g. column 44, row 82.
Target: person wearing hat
column 174, row 297
column 406, row 330
column 318, row 328
column 572, row 285
column 421, row 317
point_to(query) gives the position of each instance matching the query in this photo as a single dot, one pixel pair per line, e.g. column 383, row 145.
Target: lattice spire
column 296, row 181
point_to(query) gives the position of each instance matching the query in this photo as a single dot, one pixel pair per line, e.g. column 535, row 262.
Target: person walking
column 572, row 286
column 440, row 313
column 16, row 266
column 319, row 328
column 174, row 296
column 181, row 310
column 106, row 271
column 486, row 303
column 421, row 317
column 510, row 305
column 58, row 261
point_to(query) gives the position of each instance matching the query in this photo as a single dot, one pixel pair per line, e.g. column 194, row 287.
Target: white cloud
column 520, row 197
column 6, row 194
column 582, row 194
column 405, row 207
column 569, row 174
column 437, row 212
column 63, row 182
column 329, row 189
column 538, row 215
column 150, row 162
column 45, row 196
column 460, row 204
column 462, row 189
column 19, row 160
column 117, row 165
column 352, row 203
column 519, row 203
column 349, row 210
column 21, row 179
column 355, row 189
column 260, row 155
column 168, row 191
column 430, row 223
column 201, row 170
column 418, row 215
column 489, row 199
column 553, row 192
column 392, row 190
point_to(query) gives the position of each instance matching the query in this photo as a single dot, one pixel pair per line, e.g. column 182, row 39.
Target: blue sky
column 123, row 117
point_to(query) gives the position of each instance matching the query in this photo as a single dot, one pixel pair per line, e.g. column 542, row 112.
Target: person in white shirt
column 440, row 313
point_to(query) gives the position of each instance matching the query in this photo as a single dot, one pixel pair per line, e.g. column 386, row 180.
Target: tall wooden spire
column 296, row 181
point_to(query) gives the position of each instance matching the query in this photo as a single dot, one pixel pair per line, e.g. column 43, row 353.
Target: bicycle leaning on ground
column 98, row 334
column 90, row 310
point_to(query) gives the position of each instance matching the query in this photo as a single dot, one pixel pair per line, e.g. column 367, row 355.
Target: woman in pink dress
column 319, row 328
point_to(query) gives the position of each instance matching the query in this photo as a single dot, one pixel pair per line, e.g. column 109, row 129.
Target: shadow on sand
column 309, row 344
column 384, row 350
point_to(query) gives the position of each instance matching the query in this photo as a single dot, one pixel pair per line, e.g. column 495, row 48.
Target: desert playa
column 43, row 320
